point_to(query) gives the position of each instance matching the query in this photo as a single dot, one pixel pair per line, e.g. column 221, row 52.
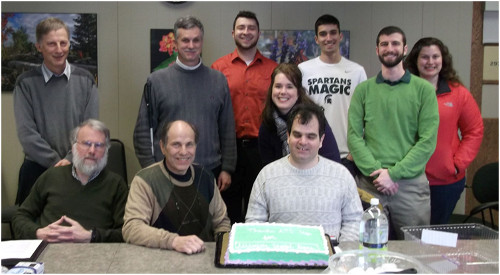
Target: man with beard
column 392, row 133
column 83, row 202
column 248, row 75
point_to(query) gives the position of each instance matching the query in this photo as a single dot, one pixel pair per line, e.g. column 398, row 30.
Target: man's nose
column 59, row 47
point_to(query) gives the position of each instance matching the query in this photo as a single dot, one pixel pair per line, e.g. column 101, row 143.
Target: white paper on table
column 18, row 249
column 439, row 238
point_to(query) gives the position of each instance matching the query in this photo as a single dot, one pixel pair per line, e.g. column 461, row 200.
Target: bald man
column 175, row 204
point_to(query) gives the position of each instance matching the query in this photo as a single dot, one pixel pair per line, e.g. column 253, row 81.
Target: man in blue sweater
column 190, row 91
column 49, row 102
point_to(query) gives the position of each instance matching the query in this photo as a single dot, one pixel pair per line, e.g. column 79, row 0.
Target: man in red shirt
column 248, row 75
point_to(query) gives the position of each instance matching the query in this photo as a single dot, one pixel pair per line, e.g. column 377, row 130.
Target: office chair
column 116, row 159
column 485, row 191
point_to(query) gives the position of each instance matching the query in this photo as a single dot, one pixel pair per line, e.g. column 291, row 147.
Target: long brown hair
column 293, row 73
column 447, row 72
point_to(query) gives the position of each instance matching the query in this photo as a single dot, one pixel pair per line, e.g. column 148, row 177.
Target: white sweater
column 323, row 195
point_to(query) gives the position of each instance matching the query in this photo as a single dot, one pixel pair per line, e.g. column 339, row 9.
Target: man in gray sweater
column 305, row 188
column 49, row 102
column 190, row 91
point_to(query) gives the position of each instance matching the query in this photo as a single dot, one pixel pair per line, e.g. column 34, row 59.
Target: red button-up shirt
column 248, row 86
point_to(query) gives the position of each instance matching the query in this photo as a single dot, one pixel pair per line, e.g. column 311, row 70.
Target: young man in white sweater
column 305, row 188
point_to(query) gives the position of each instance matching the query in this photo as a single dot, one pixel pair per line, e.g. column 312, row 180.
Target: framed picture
column 163, row 51
column 19, row 53
column 294, row 46
column 490, row 64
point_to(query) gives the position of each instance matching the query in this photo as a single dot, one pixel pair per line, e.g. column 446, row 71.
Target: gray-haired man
column 83, row 202
column 190, row 91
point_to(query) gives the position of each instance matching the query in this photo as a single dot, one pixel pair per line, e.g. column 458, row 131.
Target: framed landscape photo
column 19, row 53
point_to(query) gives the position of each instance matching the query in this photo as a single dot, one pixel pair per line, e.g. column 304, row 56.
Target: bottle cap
column 374, row 201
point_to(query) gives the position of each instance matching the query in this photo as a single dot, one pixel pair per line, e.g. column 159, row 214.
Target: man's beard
column 239, row 45
column 390, row 64
column 89, row 169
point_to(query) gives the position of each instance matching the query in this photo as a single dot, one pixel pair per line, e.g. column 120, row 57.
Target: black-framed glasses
column 87, row 144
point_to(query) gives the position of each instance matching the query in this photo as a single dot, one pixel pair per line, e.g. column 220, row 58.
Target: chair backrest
column 116, row 159
column 485, row 183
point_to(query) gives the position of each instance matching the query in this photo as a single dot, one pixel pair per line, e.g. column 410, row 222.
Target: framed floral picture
column 294, row 46
column 163, row 51
column 19, row 53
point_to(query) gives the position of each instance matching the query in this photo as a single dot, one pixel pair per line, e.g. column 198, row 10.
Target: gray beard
column 89, row 169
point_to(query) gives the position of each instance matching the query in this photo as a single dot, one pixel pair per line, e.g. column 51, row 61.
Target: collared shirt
column 248, row 86
column 47, row 74
column 75, row 175
column 406, row 79
column 186, row 67
column 442, row 86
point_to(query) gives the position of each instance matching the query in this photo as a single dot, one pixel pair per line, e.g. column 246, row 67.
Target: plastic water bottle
column 374, row 228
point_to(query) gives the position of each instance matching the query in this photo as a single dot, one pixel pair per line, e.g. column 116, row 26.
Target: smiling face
column 284, row 94
column 328, row 38
column 304, row 143
column 429, row 62
column 189, row 43
column 246, row 33
column 180, row 147
column 391, row 49
column 54, row 47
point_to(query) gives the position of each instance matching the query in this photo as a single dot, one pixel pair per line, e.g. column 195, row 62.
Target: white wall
column 123, row 48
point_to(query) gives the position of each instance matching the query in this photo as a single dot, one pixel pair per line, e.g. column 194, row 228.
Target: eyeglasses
column 87, row 144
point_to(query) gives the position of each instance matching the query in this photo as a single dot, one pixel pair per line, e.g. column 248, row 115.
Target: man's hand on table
column 188, row 244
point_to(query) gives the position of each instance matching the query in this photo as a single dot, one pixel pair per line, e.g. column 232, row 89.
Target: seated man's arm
column 138, row 219
column 26, row 220
column 114, row 234
column 257, row 205
column 351, row 211
column 217, row 208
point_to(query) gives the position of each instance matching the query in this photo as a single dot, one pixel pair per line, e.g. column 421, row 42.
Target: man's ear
column 321, row 140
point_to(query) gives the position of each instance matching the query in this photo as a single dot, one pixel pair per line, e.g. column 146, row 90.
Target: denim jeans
column 443, row 200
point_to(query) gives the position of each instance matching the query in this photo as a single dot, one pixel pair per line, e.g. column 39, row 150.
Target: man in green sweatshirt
column 392, row 132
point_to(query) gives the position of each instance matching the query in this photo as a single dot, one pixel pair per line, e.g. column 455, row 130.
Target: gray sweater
column 201, row 97
column 46, row 113
column 325, row 194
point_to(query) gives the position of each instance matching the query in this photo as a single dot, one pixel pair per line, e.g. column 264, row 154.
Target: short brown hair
column 49, row 24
